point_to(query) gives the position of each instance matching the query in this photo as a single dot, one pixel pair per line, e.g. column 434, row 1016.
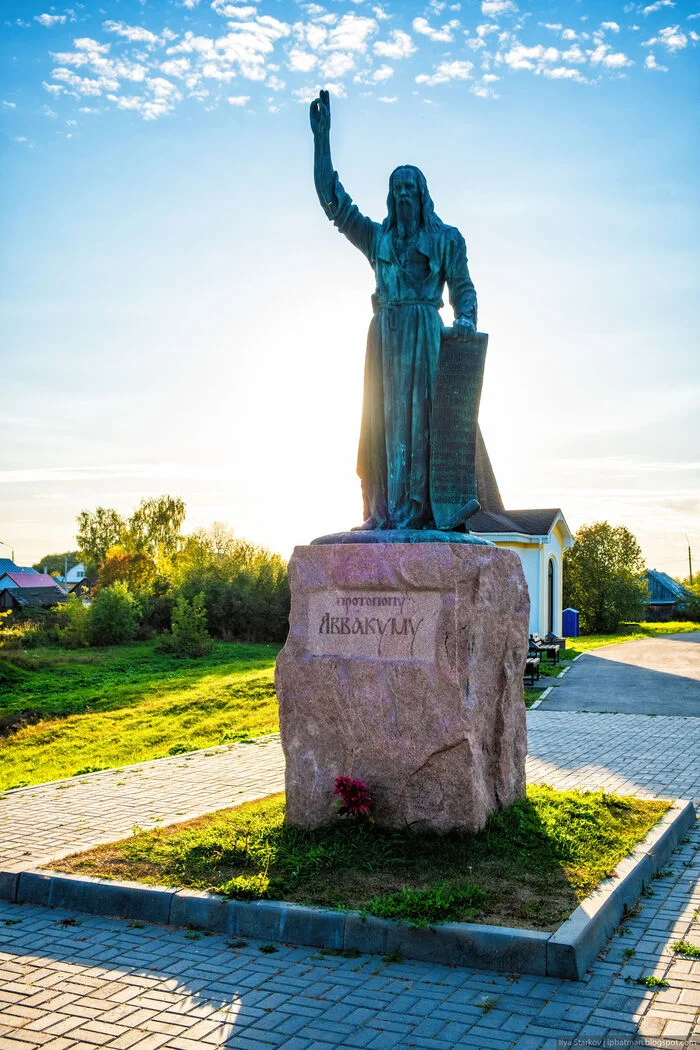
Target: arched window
column 550, row 596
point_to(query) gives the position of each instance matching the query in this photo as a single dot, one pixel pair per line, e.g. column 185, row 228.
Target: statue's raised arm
column 320, row 117
column 335, row 201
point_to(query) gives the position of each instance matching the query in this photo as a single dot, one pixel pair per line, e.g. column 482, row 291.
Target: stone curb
column 576, row 943
column 567, row 953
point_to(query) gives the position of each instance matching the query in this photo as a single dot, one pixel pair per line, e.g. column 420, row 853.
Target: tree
column 154, row 527
column 603, row 577
column 136, row 570
column 114, row 616
column 97, row 532
column 55, row 564
column 189, row 635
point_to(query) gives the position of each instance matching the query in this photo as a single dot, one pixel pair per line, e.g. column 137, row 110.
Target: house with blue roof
column 666, row 596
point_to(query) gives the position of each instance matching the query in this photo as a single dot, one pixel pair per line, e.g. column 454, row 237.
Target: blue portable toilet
column 569, row 623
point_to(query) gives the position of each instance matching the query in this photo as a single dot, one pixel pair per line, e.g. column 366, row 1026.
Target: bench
column 536, row 647
column 532, row 669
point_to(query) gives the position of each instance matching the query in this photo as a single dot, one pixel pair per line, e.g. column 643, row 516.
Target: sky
column 177, row 314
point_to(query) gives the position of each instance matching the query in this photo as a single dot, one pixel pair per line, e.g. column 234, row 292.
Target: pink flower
column 356, row 799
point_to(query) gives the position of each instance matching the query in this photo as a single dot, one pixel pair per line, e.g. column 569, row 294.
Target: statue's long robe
column 403, row 344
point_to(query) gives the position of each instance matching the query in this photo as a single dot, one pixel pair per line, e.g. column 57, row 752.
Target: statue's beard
column 407, row 215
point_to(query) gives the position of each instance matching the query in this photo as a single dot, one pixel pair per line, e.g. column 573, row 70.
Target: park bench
column 532, row 669
column 538, row 647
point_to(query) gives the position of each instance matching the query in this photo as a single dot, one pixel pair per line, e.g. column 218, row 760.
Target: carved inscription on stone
column 380, row 625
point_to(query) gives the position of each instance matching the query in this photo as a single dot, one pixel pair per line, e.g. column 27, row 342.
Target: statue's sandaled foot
column 366, row 526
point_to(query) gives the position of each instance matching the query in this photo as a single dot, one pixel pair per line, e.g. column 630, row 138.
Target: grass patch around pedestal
column 530, row 866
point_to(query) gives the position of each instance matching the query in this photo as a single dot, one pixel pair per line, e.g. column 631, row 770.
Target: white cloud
column 48, row 112
column 389, row 100
column 651, row 63
column 564, row 73
column 569, row 34
column 337, row 90
column 238, row 100
column 9, row 105
column 213, row 71
column 398, row 46
column 603, row 56
column 671, row 37
column 483, row 91
column 611, row 27
column 175, row 67
column 20, row 138
column 484, row 30
column 86, row 43
column 301, row 61
column 617, row 60
column 383, row 73
column 498, row 7
column 574, row 54
column 446, row 71
column 53, row 89
column 136, row 34
column 88, row 109
column 522, row 57
column 241, row 12
column 84, row 85
column 163, row 89
column 554, row 26
column 657, row 6
column 337, row 65
column 444, row 35
column 50, row 20
column 351, row 33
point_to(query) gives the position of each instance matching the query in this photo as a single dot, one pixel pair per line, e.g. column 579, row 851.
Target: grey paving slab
column 651, row 676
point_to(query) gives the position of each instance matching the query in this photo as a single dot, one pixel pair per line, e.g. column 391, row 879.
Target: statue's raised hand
column 320, row 114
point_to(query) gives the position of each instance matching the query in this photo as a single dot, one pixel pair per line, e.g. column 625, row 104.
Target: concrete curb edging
column 574, row 946
column 566, row 954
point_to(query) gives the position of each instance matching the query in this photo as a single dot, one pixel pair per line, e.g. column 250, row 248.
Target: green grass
column 529, row 867
column 66, row 712
column 687, row 949
column 628, row 632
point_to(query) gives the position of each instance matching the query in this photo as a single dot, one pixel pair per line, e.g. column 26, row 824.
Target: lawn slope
column 62, row 713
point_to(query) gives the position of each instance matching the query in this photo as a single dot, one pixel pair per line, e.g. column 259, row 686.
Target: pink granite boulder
column 404, row 668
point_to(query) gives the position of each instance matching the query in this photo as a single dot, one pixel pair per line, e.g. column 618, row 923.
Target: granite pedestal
column 404, row 667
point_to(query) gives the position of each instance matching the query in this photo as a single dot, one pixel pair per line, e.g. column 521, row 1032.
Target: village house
column 538, row 536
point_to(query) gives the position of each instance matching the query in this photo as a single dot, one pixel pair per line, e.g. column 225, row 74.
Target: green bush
column 73, row 623
column 114, row 616
column 189, row 635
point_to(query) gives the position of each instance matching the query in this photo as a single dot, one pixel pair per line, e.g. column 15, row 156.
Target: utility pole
column 690, row 562
column 3, row 544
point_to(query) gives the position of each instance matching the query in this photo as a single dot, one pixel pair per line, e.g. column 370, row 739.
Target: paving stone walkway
column 79, row 982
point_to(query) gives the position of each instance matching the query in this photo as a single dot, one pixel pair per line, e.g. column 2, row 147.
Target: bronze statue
column 413, row 254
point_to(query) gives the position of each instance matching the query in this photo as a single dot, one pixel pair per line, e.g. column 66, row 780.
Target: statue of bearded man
column 413, row 255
